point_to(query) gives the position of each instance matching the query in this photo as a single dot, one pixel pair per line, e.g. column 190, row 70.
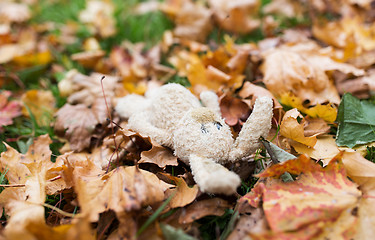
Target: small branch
column 12, row 185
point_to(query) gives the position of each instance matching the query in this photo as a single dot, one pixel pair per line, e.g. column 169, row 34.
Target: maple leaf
column 302, row 209
column 78, row 122
column 8, row 109
column 24, row 204
column 124, row 189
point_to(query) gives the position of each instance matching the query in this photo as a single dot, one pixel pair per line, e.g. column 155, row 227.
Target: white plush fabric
column 174, row 117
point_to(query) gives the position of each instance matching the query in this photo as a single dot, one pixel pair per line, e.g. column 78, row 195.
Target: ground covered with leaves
column 71, row 169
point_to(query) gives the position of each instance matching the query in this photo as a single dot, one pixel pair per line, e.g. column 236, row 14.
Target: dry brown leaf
column 78, row 122
column 324, row 149
column 84, row 89
column 197, row 210
column 41, row 104
column 193, row 20
column 182, row 195
column 287, row 8
column 233, row 110
column 253, row 221
column 23, row 204
column 253, row 91
column 124, row 189
column 236, row 16
column 14, row 12
column 360, row 87
column 362, row 172
column 99, row 15
column 291, row 128
column 159, row 155
column 301, row 69
column 315, row 127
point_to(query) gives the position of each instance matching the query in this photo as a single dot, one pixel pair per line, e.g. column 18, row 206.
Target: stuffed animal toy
column 172, row 116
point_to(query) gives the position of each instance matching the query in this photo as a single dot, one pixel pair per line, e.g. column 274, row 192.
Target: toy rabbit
column 172, row 116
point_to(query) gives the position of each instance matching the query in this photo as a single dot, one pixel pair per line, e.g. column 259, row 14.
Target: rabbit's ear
column 256, row 126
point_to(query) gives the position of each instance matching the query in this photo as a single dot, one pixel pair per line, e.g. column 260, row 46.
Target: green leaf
column 356, row 122
column 171, row 233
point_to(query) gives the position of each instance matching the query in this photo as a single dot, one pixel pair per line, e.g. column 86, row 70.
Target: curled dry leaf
column 182, row 194
column 318, row 203
column 324, row 149
column 41, row 104
column 291, row 128
column 362, row 172
column 124, row 189
column 236, row 16
column 301, row 69
column 233, row 110
column 8, row 109
column 159, row 155
column 213, row 206
column 84, row 89
column 78, row 122
column 253, row 91
column 193, row 20
column 360, row 87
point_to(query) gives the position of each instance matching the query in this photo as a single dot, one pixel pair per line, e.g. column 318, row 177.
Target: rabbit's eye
column 204, row 129
column 218, row 125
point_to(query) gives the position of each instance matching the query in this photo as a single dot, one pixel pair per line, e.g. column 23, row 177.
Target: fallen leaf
column 84, row 89
column 182, row 194
column 356, row 122
column 213, row 206
column 362, row 172
column 24, row 204
column 302, row 209
column 291, row 128
column 359, row 87
column 324, row 149
column 233, row 110
column 253, row 91
column 78, row 122
column 328, row 112
column 124, row 189
column 99, row 14
column 14, row 12
column 193, row 20
column 236, row 16
column 41, row 105
column 159, row 155
column 315, row 127
column 8, row 109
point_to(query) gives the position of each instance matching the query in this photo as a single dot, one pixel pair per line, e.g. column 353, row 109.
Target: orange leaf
column 318, row 197
column 290, row 128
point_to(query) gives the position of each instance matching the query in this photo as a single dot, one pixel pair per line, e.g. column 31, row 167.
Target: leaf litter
column 84, row 174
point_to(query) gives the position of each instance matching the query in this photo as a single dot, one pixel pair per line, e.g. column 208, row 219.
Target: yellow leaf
column 40, row 58
column 290, row 128
column 326, row 112
column 41, row 104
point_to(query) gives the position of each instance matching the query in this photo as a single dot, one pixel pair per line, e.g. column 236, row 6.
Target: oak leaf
column 182, row 195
